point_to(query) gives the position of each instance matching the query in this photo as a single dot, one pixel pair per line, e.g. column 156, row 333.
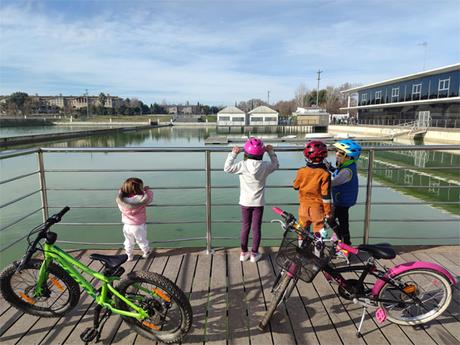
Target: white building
column 264, row 116
column 231, row 116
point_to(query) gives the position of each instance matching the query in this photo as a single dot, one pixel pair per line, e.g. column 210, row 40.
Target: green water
column 84, row 202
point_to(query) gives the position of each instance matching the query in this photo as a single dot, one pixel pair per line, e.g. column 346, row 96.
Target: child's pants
column 135, row 234
column 341, row 214
column 312, row 214
column 251, row 216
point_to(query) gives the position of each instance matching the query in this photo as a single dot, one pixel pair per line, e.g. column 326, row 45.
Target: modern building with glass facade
column 404, row 99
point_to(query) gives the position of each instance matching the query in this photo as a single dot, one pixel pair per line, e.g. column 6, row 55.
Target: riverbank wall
column 432, row 136
column 40, row 138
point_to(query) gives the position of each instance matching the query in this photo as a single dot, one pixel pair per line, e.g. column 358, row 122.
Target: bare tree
column 300, row 95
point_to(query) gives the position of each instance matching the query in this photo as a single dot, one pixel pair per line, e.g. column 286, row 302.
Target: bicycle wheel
column 170, row 313
column 278, row 294
column 426, row 295
column 60, row 292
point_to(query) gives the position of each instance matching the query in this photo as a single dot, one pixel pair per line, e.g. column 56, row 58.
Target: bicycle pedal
column 89, row 334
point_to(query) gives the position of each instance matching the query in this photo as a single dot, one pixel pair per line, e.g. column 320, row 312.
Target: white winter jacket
column 253, row 174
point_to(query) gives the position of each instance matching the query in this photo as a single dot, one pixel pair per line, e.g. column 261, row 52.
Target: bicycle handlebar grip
column 351, row 249
column 63, row 211
column 278, row 211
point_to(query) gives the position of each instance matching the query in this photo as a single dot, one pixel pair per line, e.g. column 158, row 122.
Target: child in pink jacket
column 132, row 200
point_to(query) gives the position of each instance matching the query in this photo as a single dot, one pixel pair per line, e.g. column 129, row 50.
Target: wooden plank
column 339, row 317
column 255, row 301
column 216, row 330
column 238, row 323
column 199, row 299
column 444, row 327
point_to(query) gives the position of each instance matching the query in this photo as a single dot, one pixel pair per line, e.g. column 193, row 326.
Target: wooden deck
column 228, row 299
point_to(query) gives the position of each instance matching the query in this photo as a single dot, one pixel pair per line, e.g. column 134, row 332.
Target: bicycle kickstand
column 92, row 333
column 363, row 316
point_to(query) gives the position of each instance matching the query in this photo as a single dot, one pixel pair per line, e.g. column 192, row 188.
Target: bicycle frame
column 69, row 264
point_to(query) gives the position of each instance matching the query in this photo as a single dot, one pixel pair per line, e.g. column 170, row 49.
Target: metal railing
column 368, row 153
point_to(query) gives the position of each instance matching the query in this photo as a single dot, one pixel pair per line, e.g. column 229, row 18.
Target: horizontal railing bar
column 19, row 199
column 19, row 177
column 228, row 148
column 121, row 243
column 222, row 170
column 384, row 203
column 265, row 222
column 229, row 238
column 16, row 153
column 13, row 243
column 20, row 219
column 121, row 170
column 115, row 189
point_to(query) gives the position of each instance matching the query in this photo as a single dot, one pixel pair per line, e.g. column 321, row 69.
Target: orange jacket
column 314, row 185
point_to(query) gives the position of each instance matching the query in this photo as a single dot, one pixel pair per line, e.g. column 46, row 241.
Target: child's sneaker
column 130, row 258
column 146, row 254
column 255, row 257
column 244, row 256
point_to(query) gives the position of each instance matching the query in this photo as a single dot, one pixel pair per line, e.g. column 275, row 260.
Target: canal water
column 91, row 195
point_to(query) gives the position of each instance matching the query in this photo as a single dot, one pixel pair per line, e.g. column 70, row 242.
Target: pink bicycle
column 412, row 293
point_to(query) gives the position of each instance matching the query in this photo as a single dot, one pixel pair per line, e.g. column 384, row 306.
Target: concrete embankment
column 39, row 138
column 432, row 136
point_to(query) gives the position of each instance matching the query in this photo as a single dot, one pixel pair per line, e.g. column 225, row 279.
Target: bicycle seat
column 379, row 250
column 110, row 261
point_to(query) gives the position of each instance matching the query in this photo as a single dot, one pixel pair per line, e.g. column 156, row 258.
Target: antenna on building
column 425, row 48
column 317, row 88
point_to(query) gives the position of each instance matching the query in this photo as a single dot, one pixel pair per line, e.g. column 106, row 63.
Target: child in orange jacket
column 314, row 185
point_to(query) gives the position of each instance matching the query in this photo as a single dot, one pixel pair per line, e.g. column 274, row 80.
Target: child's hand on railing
column 236, row 149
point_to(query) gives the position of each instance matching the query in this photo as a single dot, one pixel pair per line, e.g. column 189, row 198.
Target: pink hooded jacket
column 133, row 210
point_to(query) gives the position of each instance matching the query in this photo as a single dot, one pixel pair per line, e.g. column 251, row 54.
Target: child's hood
column 134, row 202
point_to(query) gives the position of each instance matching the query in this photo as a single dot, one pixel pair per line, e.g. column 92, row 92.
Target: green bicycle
column 151, row 304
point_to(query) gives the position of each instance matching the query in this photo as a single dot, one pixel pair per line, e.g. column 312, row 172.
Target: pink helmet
column 315, row 151
column 254, row 148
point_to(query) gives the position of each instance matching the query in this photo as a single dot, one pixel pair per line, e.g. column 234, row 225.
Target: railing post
column 43, row 195
column 367, row 214
column 208, row 203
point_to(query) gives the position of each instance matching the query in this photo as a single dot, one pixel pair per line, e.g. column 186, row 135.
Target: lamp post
column 87, row 103
column 317, row 88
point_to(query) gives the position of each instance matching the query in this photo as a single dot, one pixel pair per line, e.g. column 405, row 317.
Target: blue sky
column 218, row 52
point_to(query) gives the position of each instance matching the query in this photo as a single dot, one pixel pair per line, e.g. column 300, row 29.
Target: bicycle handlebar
column 55, row 218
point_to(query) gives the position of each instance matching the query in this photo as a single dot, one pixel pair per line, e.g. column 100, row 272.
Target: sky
column 218, row 52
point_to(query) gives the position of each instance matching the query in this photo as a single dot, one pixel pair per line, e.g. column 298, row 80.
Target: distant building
column 231, row 116
column 264, row 116
column 314, row 116
column 404, row 99
column 52, row 104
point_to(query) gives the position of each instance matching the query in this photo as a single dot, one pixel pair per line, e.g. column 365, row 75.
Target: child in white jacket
column 253, row 174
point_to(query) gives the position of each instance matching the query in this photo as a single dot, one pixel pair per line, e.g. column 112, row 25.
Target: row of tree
column 331, row 98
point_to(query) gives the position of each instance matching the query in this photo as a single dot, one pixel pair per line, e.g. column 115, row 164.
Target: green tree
column 15, row 102
column 311, row 98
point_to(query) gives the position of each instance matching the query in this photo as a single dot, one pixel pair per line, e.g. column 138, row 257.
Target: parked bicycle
column 412, row 293
column 149, row 303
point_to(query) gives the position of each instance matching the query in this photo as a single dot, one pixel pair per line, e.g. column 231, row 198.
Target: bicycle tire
column 278, row 294
column 61, row 294
column 129, row 288
column 424, row 276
